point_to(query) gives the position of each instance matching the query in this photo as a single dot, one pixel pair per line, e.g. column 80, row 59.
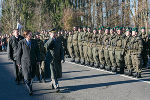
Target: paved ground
column 78, row 83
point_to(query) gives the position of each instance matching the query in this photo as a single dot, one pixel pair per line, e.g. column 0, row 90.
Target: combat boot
column 72, row 60
column 108, row 68
column 102, row 66
column 91, row 64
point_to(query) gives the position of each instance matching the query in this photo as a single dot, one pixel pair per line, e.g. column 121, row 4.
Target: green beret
column 108, row 28
column 84, row 26
column 89, row 27
column 94, row 29
column 119, row 28
column 142, row 27
column 100, row 28
column 135, row 29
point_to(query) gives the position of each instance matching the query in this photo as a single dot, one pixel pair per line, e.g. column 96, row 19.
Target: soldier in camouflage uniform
column 80, row 45
column 128, row 60
column 145, row 39
column 85, row 47
column 100, row 47
column 90, row 53
column 112, row 48
column 70, row 46
column 106, row 48
column 119, row 52
column 95, row 49
column 75, row 45
column 136, row 48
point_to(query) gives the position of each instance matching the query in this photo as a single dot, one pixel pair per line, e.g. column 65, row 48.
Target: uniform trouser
column 16, row 71
column 70, row 49
column 42, row 71
column 112, row 58
column 85, row 50
column 81, row 52
column 136, row 62
column 95, row 55
column 128, row 61
column 107, row 57
column 90, row 54
column 101, row 56
column 119, row 59
column 76, row 52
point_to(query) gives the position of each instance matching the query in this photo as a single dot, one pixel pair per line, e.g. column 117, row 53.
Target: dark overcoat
column 27, row 57
column 55, row 54
column 13, row 46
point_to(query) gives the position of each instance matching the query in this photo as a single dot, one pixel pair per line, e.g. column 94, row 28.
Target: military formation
column 119, row 49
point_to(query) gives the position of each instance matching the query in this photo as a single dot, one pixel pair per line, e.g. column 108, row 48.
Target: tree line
column 39, row 15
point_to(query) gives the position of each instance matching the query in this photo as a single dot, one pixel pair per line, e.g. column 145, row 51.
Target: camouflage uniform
column 100, row 46
column 95, row 51
column 80, row 45
column 75, row 46
column 70, row 47
column 136, row 48
column 106, row 51
column 90, row 54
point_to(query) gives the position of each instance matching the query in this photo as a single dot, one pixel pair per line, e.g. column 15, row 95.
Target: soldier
column 136, row 48
column 42, row 51
column 95, row 49
column 112, row 48
column 145, row 39
column 100, row 47
column 85, row 47
column 75, row 45
column 106, row 47
column 119, row 52
column 89, row 52
column 70, row 46
column 128, row 61
column 80, row 45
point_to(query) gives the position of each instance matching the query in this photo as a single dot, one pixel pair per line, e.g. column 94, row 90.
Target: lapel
column 26, row 44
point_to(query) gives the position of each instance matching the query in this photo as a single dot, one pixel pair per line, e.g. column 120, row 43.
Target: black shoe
column 114, row 69
column 91, row 64
column 96, row 65
column 77, row 62
column 138, row 75
column 30, row 93
column 108, row 68
column 72, row 60
column 87, row 64
column 82, row 63
column 102, row 66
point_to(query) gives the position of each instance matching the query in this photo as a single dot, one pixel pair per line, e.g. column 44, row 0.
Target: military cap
column 135, row 29
column 142, row 27
column 94, row 29
column 52, row 30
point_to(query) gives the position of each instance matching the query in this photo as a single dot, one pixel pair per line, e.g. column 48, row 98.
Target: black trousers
column 16, row 71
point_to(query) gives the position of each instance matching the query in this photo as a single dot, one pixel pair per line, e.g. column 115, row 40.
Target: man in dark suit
column 12, row 50
column 27, row 58
column 56, row 55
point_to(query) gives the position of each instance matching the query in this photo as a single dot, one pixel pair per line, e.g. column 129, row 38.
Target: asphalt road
column 78, row 83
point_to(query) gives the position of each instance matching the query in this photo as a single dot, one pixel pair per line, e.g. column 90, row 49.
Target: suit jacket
column 13, row 46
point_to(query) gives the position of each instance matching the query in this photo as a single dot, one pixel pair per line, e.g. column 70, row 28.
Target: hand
column 62, row 61
column 19, row 65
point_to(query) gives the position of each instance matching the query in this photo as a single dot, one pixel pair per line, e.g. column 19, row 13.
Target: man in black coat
column 27, row 58
column 12, row 50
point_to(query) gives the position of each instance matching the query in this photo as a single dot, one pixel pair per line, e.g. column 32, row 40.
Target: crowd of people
column 123, row 50
column 33, row 58
column 3, row 42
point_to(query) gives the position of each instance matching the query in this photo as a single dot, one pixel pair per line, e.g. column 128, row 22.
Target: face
column 29, row 36
column 84, row 29
column 99, row 31
column 119, row 32
column 79, row 30
column 111, row 31
column 74, row 28
column 94, row 31
column 142, row 30
column 15, row 33
column 106, row 31
column 127, row 33
column 133, row 33
column 89, row 29
column 38, row 36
